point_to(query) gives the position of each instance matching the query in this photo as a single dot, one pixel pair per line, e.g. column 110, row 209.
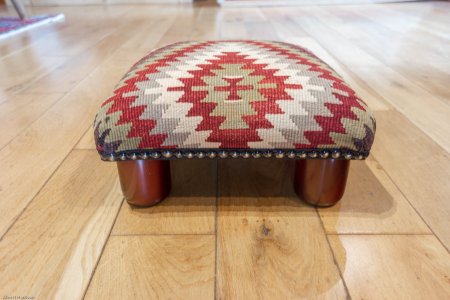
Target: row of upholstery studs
column 233, row 154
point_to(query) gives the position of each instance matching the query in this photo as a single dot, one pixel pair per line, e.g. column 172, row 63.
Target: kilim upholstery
column 233, row 99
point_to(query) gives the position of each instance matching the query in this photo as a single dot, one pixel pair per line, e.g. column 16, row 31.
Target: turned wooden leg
column 18, row 6
column 321, row 182
column 144, row 182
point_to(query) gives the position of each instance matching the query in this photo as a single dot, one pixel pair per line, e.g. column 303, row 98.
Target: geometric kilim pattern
column 237, row 98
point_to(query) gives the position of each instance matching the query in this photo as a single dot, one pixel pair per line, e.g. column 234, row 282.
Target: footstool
column 237, row 100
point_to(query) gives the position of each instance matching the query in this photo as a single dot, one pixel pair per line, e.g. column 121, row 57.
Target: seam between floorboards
column 118, row 212
column 69, row 58
column 216, row 226
column 23, row 91
column 163, row 234
column 65, row 157
column 40, row 39
column 34, row 196
column 81, row 137
column 28, row 84
column 409, row 202
column 56, row 102
column 333, row 255
column 374, row 234
column 38, row 192
column 101, row 252
column 35, row 120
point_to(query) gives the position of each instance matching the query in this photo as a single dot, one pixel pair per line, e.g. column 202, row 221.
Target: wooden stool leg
column 18, row 6
column 144, row 182
column 321, row 182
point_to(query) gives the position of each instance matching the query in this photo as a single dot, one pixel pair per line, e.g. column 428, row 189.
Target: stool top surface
column 238, row 98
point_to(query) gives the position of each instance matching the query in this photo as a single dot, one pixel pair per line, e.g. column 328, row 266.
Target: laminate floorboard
column 229, row 229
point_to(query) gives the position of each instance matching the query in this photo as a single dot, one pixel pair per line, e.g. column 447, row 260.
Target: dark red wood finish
column 144, row 182
column 321, row 182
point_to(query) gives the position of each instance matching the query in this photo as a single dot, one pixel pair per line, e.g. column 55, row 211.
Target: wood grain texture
column 418, row 166
column 18, row 72
column 55, row 244
column 59, row 38
column 206, row 26
column 408, row 99
column 372, row 204
column 270, row 244
column 31, row 63
column 155, row 267
column 393, row 86
column 430, row 73
column 58, row 130
column 75, row 69
column 87, row 140
column 32, row 156
column 393, row 266
column 20, row 111
column 364, row 91
column 150, row 33
column 57, row 204
column 189, row 209
column 231, row 24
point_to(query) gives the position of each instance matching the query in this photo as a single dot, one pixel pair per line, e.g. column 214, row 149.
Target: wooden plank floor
column 229, row 229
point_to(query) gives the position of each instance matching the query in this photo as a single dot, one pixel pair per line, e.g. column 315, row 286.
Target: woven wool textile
column 11, row 26
column 241, row 95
